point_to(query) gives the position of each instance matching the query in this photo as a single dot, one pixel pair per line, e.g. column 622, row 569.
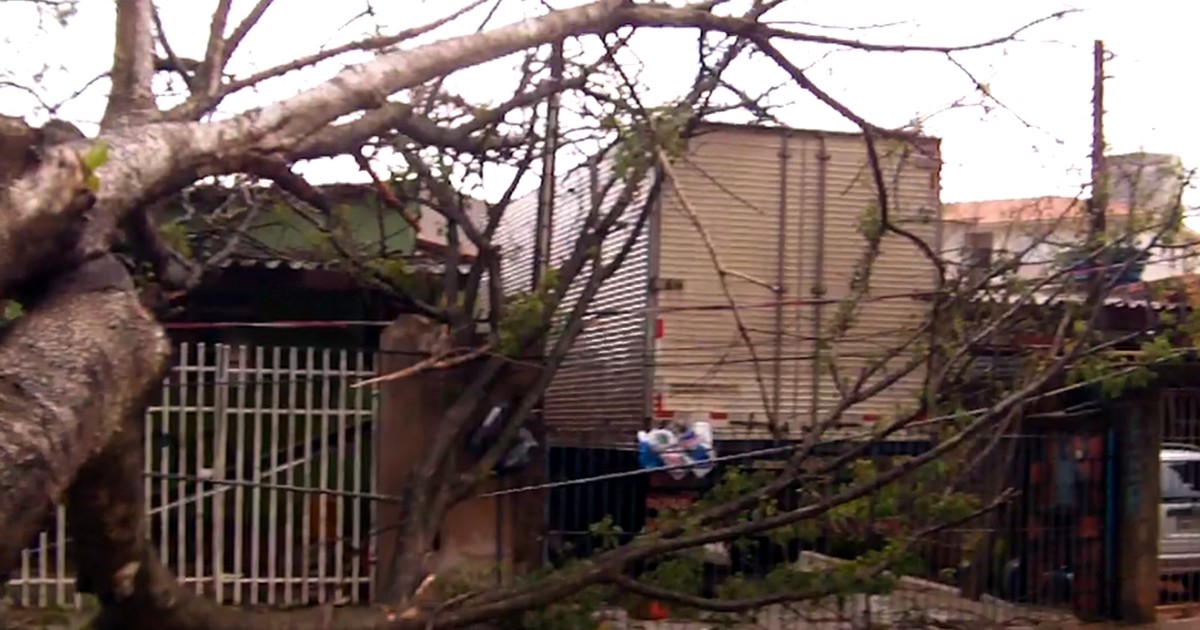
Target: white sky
column 1045, row 78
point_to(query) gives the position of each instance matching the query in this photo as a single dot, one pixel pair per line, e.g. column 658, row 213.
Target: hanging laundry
column 679, row 449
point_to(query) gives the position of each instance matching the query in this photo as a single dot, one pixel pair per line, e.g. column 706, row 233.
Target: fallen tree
column 77, row 369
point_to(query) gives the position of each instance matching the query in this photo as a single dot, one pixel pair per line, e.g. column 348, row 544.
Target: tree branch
column 208, row 77
column 244, row 27
column 173, row 62
column 661, row 15
column 80, row 360
column 196, row 107
column 132, row 98
column 819, row 592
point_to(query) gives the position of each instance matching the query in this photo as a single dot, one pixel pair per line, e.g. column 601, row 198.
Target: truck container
column 785, row 211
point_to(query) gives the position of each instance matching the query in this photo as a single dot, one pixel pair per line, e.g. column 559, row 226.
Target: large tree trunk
column 83, row 358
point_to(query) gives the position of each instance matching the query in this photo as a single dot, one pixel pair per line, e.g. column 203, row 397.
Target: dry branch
column 440, row 362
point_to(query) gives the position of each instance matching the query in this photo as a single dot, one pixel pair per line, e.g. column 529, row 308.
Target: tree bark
column 131, row 100
column 81, row 359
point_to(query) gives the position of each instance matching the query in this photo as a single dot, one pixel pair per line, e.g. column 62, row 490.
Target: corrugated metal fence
column 285, row 443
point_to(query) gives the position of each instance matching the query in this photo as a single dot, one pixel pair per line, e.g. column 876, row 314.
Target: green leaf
column 12, row 310
column 95, row 157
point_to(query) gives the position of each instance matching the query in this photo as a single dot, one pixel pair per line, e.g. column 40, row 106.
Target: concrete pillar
column 407, row 410
column 1139, row 440
column 411, row 410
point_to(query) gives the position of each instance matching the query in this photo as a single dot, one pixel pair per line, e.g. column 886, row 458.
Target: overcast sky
column 1040, row 147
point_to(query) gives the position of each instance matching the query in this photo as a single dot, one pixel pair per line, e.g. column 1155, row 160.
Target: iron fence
column 1179, row 496
column 260, row 468
column 261, row 472
column 1045, row 553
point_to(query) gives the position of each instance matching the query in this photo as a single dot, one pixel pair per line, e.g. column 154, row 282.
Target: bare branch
column 440, row 362
column 209, row 75
column 132, row 97
column 244, row 28
column 691, row 17
column 196, row 107
column 174, row 64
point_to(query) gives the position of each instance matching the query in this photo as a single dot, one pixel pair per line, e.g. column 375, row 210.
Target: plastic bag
column 489, row 431
column 690, row 450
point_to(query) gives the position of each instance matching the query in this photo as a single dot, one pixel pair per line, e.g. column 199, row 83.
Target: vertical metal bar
column 343, row 460
column 323, row 499
column 238, row 421
column 256, row 495
column 205, row 383
column 309, row 434
column 149, row 433
column 373, row 478
column 192, row 400
column 361, row 445
column 780, row 283
column 289, row 537
column 818, row 283
column 220, row 446
column 26, row 577
column 797, row 313
column 164, row 467
column 60, row 555
column 187, row 401
column 277, row 376
column 43, row 568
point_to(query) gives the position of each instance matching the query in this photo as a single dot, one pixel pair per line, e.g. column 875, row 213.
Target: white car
column 1179, row 520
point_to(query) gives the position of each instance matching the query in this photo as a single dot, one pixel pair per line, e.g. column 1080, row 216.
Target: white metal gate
column 259, row 470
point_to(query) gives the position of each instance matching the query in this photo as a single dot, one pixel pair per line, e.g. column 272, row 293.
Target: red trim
column 718, row 415
column 659, row 412
column 870, row 417
column 660, row 328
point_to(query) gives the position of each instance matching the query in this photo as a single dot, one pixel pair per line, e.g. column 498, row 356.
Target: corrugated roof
column 1027, row 210
column 423, row 263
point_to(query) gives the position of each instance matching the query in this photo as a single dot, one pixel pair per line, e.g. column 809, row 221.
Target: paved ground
column 1172, row 618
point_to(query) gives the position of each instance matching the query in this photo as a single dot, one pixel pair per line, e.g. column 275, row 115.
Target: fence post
column 1139, row 441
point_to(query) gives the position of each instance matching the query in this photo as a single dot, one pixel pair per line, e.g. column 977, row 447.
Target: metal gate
column 259, row 467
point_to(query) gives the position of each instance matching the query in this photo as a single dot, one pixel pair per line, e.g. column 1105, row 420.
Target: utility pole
column 544, row 233
column 1098, row 206
column 1099, row 253
column 545, row 213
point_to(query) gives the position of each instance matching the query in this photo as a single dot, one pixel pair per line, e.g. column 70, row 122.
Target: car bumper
column 1179, row 563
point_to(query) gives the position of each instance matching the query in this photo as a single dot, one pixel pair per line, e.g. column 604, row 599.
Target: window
column 1179, row 481
column 977, row 258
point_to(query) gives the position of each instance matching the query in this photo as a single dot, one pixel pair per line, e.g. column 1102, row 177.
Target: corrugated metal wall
column 732, row 182
column 732, row 177
column 601, row 387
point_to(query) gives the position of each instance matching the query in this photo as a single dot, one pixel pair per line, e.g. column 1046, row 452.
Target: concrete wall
column 410, row 412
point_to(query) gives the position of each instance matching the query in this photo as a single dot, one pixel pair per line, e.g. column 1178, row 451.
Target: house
column 273, row 262
column 785, row 211
column 1047, row 231
column 266, row 349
